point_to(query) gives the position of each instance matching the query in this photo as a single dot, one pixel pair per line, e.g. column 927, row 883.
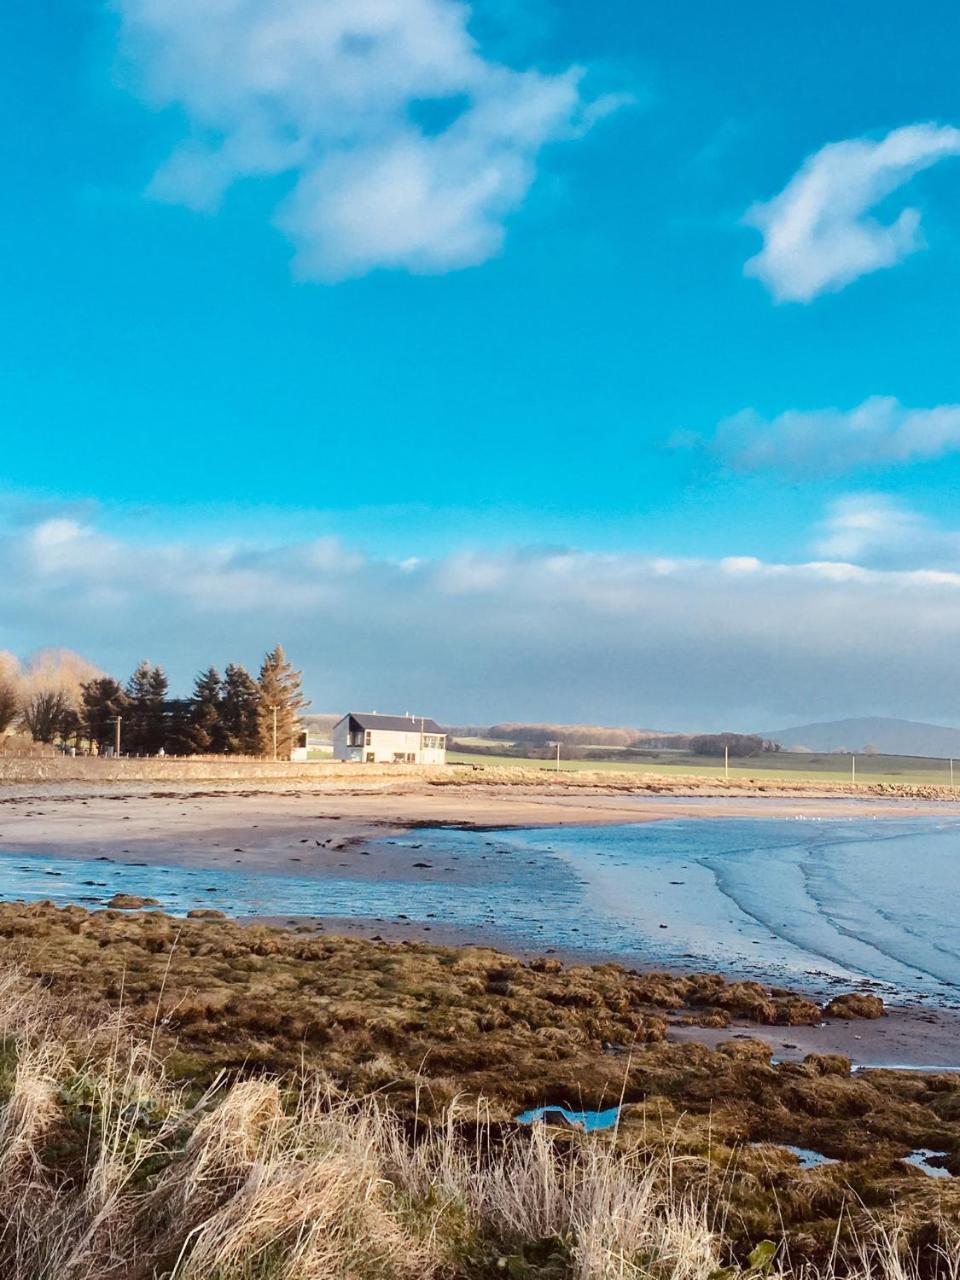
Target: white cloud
column 880, row 432
column 870, row 625
column 407, row 148
column 818, row 235
column 876, row 530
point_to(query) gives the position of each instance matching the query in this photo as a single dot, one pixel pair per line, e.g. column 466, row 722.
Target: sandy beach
column 264, row 826
column 317, row 832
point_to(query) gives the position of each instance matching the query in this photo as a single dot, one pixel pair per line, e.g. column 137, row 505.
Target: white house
column 375, row 739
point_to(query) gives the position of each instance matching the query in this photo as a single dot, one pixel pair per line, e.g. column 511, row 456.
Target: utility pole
column 558, row 757
column 274, row 733
column 853, row 768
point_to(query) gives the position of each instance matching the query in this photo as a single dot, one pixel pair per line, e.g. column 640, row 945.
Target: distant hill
column 891, row 737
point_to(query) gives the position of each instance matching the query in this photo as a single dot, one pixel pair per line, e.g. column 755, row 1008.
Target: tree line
column 230, row 714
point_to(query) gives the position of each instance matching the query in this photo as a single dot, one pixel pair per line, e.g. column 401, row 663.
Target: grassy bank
column 194, row 1099
column 776, row 766
column 895, row 777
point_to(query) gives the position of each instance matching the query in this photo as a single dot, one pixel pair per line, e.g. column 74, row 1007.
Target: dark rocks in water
column 856, row 1004
column 422, row 865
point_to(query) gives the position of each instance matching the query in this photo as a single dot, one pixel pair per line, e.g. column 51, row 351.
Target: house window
column 367, row 738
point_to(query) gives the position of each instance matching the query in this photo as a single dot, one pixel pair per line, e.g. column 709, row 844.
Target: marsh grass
column 110, row 1169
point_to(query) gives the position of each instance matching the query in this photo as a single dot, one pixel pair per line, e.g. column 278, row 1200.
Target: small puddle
column 920, row 1159
column 589, row 1121
column 808, row 1158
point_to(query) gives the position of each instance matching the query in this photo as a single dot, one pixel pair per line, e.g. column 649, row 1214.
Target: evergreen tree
column 178, row 726
column 281, row 701
column 206, row 726
column 239, row 711
column 136, row 727
column 158, row 687
column 147, row 692
column 103, row 700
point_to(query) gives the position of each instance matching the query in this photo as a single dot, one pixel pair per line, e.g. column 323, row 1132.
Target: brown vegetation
column 332, row 775
column 856, row 1004
column 434, row 1031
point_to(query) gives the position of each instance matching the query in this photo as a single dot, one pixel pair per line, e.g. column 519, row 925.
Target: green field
column 787, row 765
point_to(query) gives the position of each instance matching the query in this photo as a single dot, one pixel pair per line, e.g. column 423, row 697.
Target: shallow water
column 589, row 1121
column 864, row 900
column 920, row 1159
column 799, row 902
column 808, row 1158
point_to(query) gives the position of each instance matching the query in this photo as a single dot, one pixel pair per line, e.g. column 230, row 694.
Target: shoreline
column 210, row 827
column 308, row 833
column 909, row 1037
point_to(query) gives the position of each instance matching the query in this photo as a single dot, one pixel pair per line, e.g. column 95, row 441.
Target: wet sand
column 906, row 1038
column 263, row 829
column 312, row 831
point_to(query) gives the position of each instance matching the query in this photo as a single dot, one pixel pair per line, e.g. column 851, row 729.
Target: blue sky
column 469, row 287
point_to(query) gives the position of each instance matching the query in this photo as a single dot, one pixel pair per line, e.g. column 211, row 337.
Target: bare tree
column 9, row 703
column 9, row 690
column 47, row 715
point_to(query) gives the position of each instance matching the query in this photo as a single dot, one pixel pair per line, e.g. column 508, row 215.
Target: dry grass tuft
column 109, row 1171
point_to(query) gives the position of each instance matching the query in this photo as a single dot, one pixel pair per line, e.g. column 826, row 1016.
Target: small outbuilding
column 375, row 739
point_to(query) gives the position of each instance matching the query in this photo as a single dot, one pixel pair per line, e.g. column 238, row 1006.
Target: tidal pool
column 589, row 1121
column 871, row 903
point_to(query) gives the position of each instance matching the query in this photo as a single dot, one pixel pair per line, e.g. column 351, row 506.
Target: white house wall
column 385, row 745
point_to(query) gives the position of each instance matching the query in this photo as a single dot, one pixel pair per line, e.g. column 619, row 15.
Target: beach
column 365, row 844
column 258, row 825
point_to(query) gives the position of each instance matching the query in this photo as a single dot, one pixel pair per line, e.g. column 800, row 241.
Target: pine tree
column 238, row 711
column 206, row 726
column 135, row 729
column 103, row 700
column 281, row 696
column 147, row 691
column 179, row 727
column 158, row 688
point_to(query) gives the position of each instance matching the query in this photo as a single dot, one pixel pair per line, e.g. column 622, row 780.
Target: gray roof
column 398, row 724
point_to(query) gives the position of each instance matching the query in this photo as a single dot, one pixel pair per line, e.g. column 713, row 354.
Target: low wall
column 210, row 769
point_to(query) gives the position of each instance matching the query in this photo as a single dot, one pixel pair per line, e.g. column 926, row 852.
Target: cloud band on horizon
column 537, row 634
